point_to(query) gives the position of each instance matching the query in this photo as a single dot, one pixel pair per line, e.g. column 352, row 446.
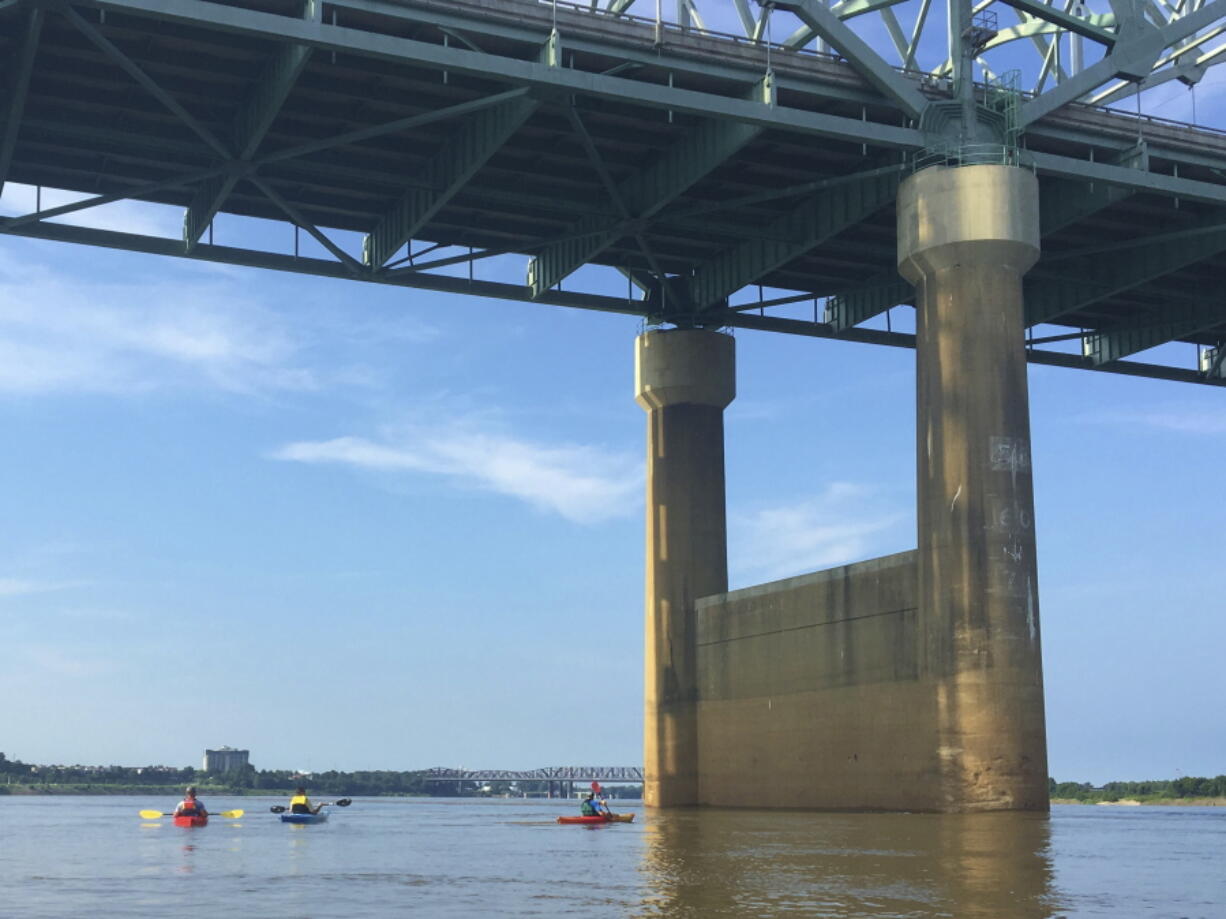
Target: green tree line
column 391, row 782
column 384, row 782
column 1183, row 787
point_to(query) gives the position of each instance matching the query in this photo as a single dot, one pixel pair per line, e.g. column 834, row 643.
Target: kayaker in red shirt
column 189, row 806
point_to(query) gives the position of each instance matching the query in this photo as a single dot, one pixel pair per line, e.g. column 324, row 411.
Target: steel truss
column 548, row 774
column 706, row 167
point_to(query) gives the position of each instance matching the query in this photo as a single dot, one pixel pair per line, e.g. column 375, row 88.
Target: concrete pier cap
column 676, row 366
column 949, row 216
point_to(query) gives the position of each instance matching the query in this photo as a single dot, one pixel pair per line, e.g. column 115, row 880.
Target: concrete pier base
column 684, row 378
column 912, row 682
column 965, row 238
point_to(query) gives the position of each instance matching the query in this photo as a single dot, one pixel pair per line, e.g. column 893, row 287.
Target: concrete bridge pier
column 966, row 236
column 684, row 378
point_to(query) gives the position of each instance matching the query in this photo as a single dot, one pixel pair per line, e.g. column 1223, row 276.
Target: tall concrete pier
column 684, row 378
column 966, row 236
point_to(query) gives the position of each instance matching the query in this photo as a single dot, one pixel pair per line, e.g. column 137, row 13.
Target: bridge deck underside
column 654, row 160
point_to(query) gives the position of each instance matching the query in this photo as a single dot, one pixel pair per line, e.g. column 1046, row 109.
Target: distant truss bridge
column 548, row 774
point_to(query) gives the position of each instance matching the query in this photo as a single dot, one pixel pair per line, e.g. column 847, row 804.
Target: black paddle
column 343, row 802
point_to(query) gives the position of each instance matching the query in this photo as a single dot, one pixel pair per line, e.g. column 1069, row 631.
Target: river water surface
column 94, row 856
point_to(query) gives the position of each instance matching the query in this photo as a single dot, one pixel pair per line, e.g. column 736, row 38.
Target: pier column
column 684, row 378
column 966, row 235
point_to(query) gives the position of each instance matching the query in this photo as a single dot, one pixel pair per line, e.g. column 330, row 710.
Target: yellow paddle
column 232, row 815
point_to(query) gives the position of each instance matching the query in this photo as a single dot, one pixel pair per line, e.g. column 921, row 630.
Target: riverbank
column 1147, row 801
column 84, row 788
column 91, row 788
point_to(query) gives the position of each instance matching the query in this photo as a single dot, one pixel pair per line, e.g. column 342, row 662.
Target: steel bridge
column 715, row 177
column 632, row 774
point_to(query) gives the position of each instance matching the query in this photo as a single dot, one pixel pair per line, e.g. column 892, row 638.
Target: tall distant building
column 225, row 759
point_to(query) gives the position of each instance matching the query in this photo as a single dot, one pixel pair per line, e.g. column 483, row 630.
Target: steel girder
column 252, row 124
column 642, row 81
column 516, row 292
column 1213, row 362
column 848, row 308
column 1063, row 202
column 644, row 194
column 20, row 69
column 516, row 72
column 478, row 138
column 859, row 53
column 828, row 213
column 1132, row 38
column 1089, row 279
column 1173, row 321
column 1137, row 48
column 1033, row 355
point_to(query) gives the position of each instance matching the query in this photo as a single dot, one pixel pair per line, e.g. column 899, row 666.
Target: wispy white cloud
column 845, row 523
column 581, row 483
column 62, row 334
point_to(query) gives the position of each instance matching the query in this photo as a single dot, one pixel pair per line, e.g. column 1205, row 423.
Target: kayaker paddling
column 594, row 807
column 301, row 804
column 190, row 806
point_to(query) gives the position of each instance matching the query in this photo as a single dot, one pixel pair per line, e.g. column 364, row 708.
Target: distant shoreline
column 171, row 791
column 101, row 790
column 1159, row 802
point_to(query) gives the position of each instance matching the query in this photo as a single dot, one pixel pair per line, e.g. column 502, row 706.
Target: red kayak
column 611, row 818
column 192, row 820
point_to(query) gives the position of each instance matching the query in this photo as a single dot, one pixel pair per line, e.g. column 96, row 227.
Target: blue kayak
column 321, row 817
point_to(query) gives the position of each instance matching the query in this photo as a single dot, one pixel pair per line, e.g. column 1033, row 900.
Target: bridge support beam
column 965, row 237
column 684, row 378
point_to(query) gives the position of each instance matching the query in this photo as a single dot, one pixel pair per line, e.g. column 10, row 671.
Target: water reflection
column 723, row 863
column 188, row 864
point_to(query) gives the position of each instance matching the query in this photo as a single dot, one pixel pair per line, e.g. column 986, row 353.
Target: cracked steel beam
column 867, row 62
column 1096, row 276
column 645, row 193
column 823, row 216
column 1173, row 322
column 251, row 126
column 19, row 85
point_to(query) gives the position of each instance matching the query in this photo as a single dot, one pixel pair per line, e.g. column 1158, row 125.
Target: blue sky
column 354, row 527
